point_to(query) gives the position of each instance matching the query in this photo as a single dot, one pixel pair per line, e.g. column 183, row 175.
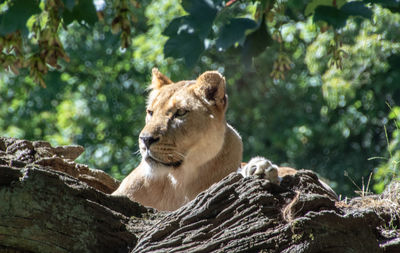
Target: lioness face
column 183, row 119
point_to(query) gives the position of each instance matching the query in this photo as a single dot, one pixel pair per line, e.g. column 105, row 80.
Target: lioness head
column 185, row 121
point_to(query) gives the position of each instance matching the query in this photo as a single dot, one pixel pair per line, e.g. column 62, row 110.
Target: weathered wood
column 20, row 153
column 48, row 203
column 41, row 214
column 248, row 215
column 44, row 209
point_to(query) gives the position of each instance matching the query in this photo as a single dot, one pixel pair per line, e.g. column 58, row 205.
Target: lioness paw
column 262, row 168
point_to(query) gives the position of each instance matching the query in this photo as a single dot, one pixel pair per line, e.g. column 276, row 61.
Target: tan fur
column 195, row 149
column 283, row 171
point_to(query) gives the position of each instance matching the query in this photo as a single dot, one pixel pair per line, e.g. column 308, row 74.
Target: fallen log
column 49, row 203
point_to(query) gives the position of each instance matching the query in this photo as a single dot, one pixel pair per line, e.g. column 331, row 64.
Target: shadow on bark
column 49, row 203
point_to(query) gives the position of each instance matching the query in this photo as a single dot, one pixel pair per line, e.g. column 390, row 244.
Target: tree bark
column 48, row 203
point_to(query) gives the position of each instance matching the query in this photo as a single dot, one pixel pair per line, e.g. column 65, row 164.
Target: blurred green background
column 340, row 122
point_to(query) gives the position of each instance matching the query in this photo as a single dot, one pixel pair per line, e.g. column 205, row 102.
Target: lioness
column 186, row 144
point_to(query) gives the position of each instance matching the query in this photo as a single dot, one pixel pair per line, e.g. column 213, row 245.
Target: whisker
column 137, row 153
column 180, row 154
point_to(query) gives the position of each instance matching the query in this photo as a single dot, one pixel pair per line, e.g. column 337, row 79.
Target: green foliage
column 16, row 16
column 81, row 11
column 256, row 42
column 310, row 8
column 29, row 32
column 207, row 25
column 231, row 31
column 186, row 46
column 234, row 31
column 337, row 18
column 392, row 5
column 188, row 32
column 201, row 16
column 390, row 169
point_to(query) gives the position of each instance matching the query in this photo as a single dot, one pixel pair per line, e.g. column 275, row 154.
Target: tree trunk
column 48, row 203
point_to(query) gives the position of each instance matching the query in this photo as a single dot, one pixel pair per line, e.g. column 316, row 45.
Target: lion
column 186, row 144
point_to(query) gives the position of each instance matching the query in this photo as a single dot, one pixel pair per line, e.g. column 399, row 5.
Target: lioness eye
column 180, row 113
column 149, row 112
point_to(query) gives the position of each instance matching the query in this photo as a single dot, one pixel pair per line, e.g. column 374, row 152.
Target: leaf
column 69, row 4
column 392, row 5
column 234, row 32
column 174, row 26
column 199, row 8
column 188, row 24
column 178, row 25
column 256, row 42
column 315, row 3
column 84, row 10
column 338, row 17
column 356, row 9
column 17, row 15
column 186, row 46
column 394, row 61
column 331, row 15
column 187, row 33
column 202, row 15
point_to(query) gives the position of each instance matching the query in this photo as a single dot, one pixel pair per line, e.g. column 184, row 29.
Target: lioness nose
column 148, row 140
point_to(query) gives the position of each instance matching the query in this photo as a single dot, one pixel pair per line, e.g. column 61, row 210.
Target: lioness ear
column 211, row 86
column 158, row 79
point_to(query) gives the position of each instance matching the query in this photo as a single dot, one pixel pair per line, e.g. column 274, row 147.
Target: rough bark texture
column 48, row 203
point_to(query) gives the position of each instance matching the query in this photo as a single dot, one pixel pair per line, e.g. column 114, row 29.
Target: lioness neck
column 224, row 161
column 169, row 191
